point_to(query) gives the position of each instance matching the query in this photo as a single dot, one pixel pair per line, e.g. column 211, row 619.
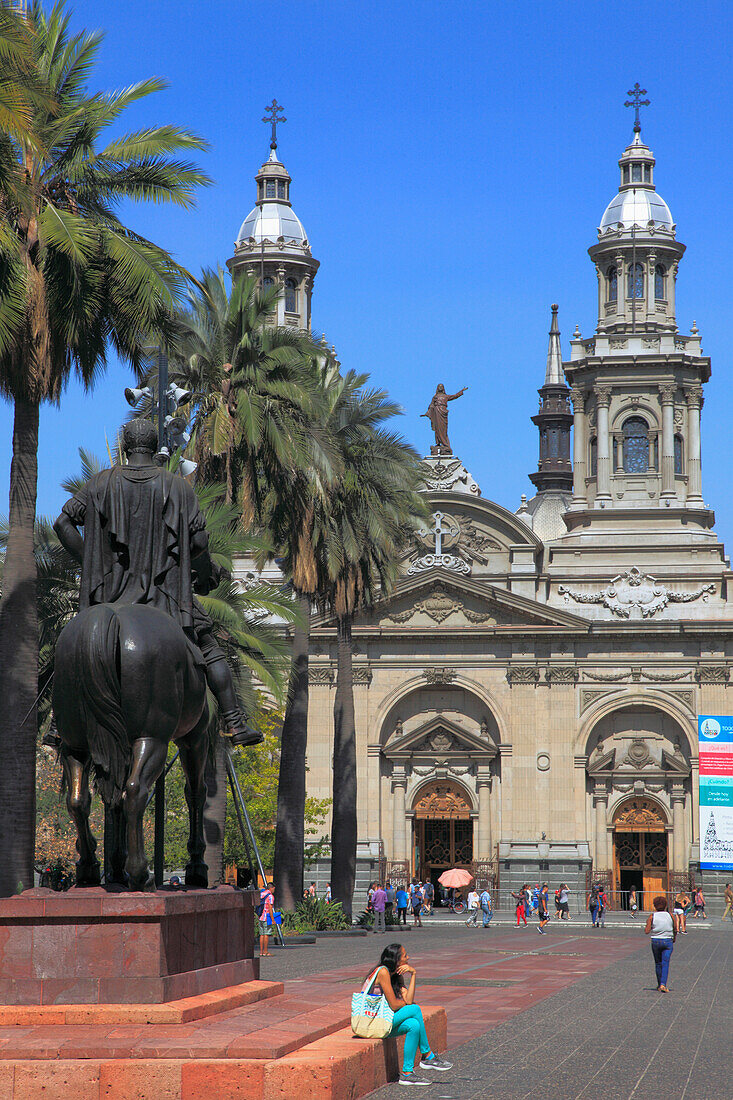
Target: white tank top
column 662, row 926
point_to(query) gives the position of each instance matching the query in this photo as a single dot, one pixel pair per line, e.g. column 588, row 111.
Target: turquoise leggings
column 408, row 1021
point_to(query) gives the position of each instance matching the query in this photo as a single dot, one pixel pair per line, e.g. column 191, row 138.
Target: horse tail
column 100, row 701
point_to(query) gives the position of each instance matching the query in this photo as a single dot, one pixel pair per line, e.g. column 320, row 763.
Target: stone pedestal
column 90, row 946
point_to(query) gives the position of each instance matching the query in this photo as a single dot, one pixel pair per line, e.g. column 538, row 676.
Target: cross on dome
column 636, row 102
column 272, row 110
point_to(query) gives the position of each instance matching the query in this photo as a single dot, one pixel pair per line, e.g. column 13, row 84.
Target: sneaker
column 413, row 1078
column 435, row 1063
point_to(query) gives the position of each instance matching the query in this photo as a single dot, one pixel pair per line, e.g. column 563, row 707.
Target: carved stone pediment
column 440, row 740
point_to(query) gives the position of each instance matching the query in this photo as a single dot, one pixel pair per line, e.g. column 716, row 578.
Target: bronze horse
column 127, row 682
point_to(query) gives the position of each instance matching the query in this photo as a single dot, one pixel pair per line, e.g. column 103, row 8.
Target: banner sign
column 715, row 736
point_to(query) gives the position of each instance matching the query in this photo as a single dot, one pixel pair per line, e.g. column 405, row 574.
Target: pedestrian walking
column 328, row 893
column 728, row 911
column 379, row 905
column 681, row 903
column 389, row 907
column 593, row 906
column 564, row 901
column 395, row 979
column 662, row 927
column 698, row 899
column 428, row 897
column 543, row 911
column 401, row 905
column 487, row 907
column 633, row 903
column 602, row 905
column 416, row 904
column 266, row 916
column 370, row 895
column 474, row 908
column 521, row 900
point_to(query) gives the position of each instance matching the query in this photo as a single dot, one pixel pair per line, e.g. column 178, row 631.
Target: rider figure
column 145, row 541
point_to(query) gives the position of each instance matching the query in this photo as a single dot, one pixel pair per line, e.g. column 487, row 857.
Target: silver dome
column 270, row 221
column 638, row 207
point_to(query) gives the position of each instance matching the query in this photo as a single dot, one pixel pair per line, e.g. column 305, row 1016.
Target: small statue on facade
column 437, row 414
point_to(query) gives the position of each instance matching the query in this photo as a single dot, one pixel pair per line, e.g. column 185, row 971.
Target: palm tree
column 256, row 420
column 373, row 509
column 73, row 281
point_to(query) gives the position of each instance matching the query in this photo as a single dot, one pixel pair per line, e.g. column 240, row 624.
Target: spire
column 636, row 102
column 553, row 374
column 274, row 118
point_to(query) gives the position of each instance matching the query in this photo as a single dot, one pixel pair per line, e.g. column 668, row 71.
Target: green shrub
column 315, row 915
column 366, row 920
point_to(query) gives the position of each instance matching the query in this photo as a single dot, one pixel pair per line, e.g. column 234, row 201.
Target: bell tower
column 637, row 384
column 272, row 244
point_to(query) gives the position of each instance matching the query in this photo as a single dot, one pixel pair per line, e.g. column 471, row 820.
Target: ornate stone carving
column 667, row 393
column 438, row 606
column 320, row 675
column 543, row 761
column 638, row 754
column 680, row 344
column 649, row 343
column 440, row 675
column 447, row 474
column 523, row 674
column 562, row 674
column 679, row 418
column 589, row 697
column 693, row 395
column 712, row 674
column 474, row 542
column 362, row 674
column 634, row 589
column 603, row 395
column 617, row 344
column 608, row 677
column 577, row 396
column 441, row 537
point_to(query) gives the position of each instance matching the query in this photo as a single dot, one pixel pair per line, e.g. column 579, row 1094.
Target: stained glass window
column 636, row 445
column 291, row 296
column 612, row 282
column 270, row 189
column 659, row 281
column 635, row 281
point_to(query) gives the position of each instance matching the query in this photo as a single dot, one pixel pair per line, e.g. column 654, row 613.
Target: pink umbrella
column 456, row 877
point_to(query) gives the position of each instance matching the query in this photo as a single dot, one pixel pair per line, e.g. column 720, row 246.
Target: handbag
column 371, row 1016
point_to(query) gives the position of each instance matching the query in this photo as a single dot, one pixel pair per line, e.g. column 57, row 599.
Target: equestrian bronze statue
column 131, row 669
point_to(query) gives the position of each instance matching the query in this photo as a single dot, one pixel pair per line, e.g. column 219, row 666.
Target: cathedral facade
column 527, row 697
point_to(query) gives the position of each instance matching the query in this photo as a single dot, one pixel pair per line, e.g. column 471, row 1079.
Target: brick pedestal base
column 89, row 946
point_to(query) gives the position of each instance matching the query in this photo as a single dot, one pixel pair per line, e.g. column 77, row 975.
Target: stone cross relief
column 444, row 533
column 633, row 590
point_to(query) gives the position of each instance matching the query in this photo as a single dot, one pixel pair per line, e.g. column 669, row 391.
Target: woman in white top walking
column 662, row 927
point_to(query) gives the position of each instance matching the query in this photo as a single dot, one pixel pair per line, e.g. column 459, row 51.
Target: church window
column 593, row 456
column 281, row 189
column 270, row 189
column 268, row 282
column 636, row 173
column 647, row 174
column 636, row 445
column 612, row 278
column 626, row 173
column 291, row 296
column 660, row 273
column 678, row 455
column 635, row 281
column 554, row 442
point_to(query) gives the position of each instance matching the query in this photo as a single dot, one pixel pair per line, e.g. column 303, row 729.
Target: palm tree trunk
column 290, row 834
column 344, row 821
column 19, row 661
column 215, row 812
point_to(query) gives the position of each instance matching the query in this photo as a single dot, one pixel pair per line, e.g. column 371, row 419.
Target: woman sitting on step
column 395, row 979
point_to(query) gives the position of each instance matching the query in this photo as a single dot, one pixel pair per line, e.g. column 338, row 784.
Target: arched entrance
column 443, row 830
column 640, row 856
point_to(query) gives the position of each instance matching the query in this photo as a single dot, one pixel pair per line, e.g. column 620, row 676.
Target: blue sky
column 450, row 163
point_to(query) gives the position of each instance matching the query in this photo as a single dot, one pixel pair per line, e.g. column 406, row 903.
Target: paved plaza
column 571, row 1014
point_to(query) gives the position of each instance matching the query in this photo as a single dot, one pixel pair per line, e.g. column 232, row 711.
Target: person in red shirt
column 267, row 920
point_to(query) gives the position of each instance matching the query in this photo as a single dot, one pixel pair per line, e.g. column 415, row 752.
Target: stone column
column 666, row 396
column 281, row 299
column 694, row 472
column 580, row 499
column 603, row 478
column 399, row 821
column 678, row 829
column 483, row 784
column 672, row 292
column 601, row 298
column 600, row 799
column 651, row 297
